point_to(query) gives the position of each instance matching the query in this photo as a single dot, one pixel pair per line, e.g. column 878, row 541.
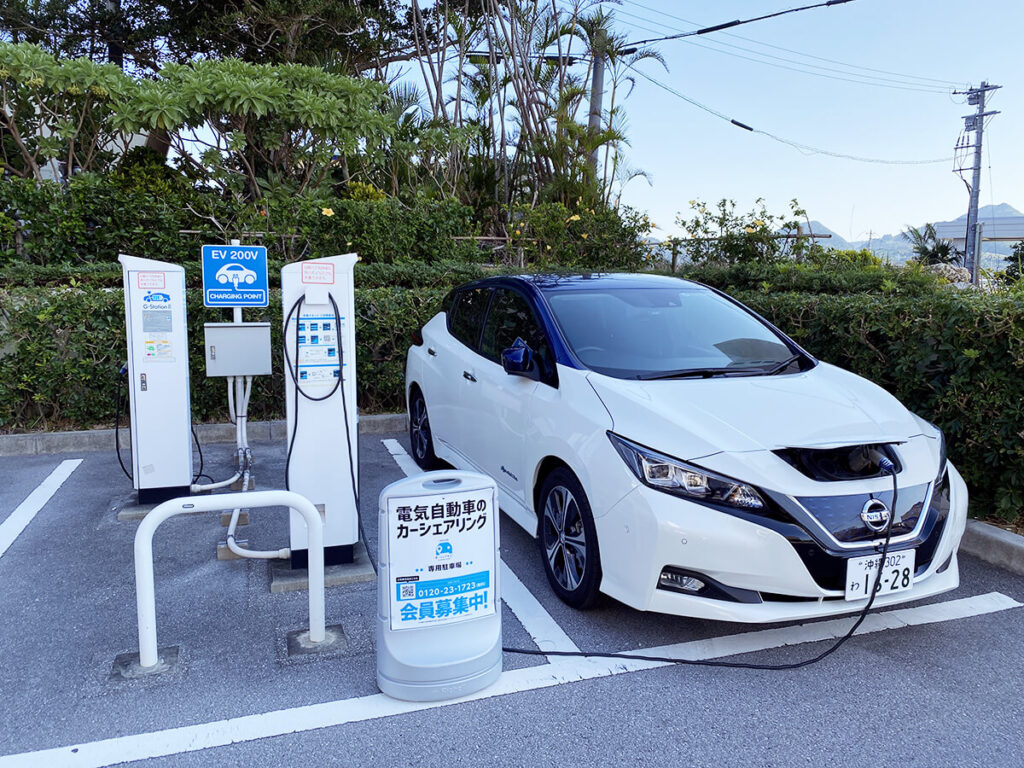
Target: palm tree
column 929, row 248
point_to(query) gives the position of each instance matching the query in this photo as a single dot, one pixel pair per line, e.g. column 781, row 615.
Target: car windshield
column 653, row 332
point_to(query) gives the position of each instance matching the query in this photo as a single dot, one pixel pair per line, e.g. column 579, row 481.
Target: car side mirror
column 518, row 360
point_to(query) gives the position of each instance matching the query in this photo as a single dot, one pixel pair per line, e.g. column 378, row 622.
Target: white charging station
column 320, row 394
column 158, row 375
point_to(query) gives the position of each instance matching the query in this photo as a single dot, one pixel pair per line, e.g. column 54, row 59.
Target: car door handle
column 468, row 376
column 431, row 352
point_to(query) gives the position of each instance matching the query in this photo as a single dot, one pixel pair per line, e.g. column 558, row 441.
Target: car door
column 499, row 405
column 455, row 353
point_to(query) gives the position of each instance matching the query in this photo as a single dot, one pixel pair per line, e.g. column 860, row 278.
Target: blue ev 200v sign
column 235, row 276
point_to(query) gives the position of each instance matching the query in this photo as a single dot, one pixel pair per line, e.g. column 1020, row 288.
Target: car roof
column 588, row 281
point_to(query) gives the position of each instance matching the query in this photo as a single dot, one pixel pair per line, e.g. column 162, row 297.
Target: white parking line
column 402, row 459
column 12, row 527
column 221, row 733
column 531, row 614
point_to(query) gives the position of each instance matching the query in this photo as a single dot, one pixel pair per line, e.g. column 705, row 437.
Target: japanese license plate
column 897, row 574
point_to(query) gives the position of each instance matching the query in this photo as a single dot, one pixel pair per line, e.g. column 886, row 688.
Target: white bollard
column 145, row 591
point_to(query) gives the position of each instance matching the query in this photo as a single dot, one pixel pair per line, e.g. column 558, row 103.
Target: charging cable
column 886, row 466
column 117, row 422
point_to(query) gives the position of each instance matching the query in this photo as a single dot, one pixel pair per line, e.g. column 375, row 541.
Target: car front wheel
column 568, row 540
column 420, row 438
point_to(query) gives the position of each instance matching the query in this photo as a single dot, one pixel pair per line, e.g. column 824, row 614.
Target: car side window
column 512, row 318
column 467, row 315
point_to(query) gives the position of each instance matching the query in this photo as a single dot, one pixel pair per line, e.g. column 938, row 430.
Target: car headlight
column 942, row 446
column 678, row 478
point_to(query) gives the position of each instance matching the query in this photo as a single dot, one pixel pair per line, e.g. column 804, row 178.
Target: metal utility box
column 237, row 349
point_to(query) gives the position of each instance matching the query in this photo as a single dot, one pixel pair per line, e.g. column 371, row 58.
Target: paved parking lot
column 929, row 684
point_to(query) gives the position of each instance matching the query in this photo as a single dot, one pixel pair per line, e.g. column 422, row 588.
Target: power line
column 739, row 22
column 800, row 66
column 805, row 148
column 796, row 52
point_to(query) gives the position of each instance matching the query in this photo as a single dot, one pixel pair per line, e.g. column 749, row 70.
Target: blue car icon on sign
column 444, row 548
column 157, row 297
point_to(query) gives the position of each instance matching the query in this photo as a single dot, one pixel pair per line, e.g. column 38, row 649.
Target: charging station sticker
column 319, row 350
column 441, row 558
column 158, row 350
column 151, row 280
column 317, row 274
column 157, row 321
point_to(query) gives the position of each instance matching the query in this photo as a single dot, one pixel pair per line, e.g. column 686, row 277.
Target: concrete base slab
column 128, row 508
column 299, row 644
column 243, row 518
column 284, row 579
column 223, row 553
column 126, row 665
column 237, row 485
column 994, row 545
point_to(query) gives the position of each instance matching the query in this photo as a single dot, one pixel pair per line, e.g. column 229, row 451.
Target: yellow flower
column 758, row 223
column 584, row 235
column 749, row 230
column 348, row 244
column 547, row 248
column 327, row 211
column 518, row 232
column 574, row 217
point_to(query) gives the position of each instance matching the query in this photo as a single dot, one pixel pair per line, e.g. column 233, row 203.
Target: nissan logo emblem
column 875, row 515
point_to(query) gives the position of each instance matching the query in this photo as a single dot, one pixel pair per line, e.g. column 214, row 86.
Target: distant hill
column 895, row 249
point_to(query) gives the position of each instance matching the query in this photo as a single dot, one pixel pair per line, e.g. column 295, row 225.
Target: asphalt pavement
column 942, row 688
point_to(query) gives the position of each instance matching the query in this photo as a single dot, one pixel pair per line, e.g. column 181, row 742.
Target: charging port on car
column 850, row 462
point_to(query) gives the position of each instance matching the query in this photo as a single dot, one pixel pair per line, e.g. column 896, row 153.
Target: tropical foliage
column 929, row 249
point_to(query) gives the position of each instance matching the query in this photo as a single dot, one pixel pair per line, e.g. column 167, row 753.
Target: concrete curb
column 994, row 545
column 35, row 443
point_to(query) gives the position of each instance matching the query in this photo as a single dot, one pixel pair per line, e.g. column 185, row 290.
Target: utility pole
column 596, row 95
column 975, row 123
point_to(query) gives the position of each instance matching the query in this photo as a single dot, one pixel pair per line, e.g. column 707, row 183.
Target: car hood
column 691, row 418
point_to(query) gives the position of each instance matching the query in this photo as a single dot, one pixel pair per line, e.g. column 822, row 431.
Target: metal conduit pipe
column 145, row 591
column 241, row 418
column 253, row 554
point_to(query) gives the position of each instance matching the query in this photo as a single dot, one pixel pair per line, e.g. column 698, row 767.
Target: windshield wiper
column 702, row 373
column 780, row 367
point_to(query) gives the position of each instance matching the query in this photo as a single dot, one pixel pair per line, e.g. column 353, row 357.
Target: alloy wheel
column 565, row 541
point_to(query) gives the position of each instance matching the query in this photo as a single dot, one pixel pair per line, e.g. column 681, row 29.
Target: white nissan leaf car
column 672, row 449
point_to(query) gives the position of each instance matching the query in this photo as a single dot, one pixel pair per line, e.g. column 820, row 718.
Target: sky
column 691, row 154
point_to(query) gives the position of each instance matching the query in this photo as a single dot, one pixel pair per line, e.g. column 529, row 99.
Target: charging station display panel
column 235, row 276
column 441, row 558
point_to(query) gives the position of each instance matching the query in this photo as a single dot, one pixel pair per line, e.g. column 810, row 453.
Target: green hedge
column 954, row 357
column 96, row 217
column 409, row 274
column 61, row 348
column 808, row 278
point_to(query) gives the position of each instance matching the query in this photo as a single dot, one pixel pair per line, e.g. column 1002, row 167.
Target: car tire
column 568, row 539
column 420, row 438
